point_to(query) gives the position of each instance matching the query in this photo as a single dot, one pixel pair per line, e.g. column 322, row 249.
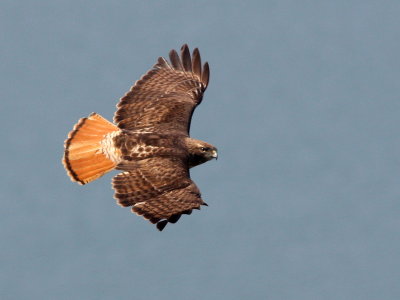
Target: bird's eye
column 204, row 149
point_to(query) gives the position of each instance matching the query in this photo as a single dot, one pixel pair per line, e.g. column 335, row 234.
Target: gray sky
column 303, row 105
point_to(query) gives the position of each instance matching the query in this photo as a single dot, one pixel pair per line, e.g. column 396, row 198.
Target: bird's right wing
column 159, row 189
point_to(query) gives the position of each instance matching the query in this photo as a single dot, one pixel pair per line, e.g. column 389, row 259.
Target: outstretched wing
column 164, row 99
column 158, row 188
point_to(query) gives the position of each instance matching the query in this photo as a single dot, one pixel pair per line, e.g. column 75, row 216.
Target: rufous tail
column 83, row 156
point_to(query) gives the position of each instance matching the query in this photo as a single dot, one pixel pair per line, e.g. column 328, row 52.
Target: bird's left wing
column 164, row 99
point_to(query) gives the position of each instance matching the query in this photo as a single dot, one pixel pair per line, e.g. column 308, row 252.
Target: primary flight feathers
column 150, row 142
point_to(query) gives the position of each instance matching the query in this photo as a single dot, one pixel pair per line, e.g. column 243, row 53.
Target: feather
column 186, row 59
column 160, row 225
column 174, row 218
column 205, row 75
column 162, row 63
column 196, row 62
column 175, row 60
column 84, row 157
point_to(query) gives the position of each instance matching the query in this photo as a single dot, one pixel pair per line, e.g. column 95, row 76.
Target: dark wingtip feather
column 196, row 62
column 175, row 60
column 162, row 63
column 186, row 59
column 205, row 75
column 187, row 212
column 174, row 218
column 161, row 225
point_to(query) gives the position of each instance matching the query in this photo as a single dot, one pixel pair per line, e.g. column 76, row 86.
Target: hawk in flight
column 149, row 141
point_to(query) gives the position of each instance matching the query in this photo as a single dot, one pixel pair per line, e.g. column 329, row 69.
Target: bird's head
column 208, row 151
column 200, row 152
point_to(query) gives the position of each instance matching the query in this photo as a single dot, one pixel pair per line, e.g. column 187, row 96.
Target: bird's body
column 150, row 142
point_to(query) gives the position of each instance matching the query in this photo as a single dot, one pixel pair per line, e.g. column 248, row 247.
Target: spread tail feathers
column 84, row 159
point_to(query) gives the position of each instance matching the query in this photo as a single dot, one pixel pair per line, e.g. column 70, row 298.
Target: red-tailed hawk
column 150, row 142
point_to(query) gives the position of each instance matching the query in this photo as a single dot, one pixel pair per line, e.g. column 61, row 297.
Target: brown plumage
column 150, row 142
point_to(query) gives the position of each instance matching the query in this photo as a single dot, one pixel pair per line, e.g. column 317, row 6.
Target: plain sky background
column 303, row 105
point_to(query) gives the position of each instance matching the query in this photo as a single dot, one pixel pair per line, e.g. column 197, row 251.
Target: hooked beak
column 215, row 154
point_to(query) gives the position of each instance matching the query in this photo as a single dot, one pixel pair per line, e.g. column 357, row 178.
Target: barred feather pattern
column 164, row 99
column 157, row 188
